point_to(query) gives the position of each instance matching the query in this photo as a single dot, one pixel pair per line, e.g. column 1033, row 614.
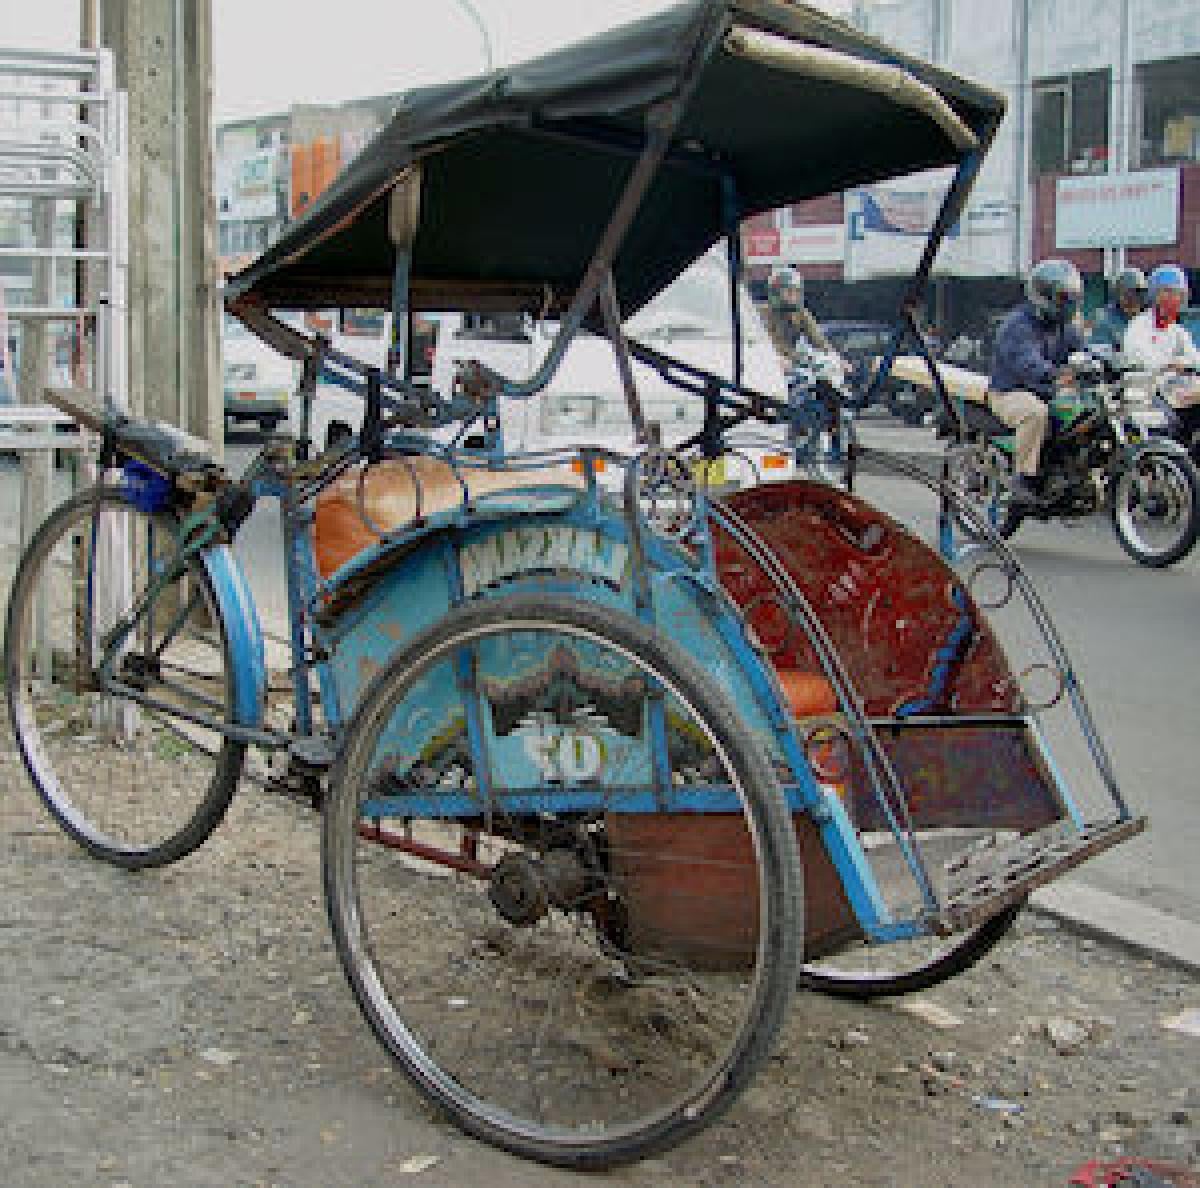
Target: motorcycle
column 822, row 425
column 1166, row 392
column 1107, row 449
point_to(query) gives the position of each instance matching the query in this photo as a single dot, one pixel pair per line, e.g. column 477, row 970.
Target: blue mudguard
column 247, row 658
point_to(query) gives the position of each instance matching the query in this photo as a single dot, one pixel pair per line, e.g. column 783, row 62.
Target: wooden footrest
column 984, row 881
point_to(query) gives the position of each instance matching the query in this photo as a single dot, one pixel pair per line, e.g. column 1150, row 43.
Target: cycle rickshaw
column 607, row 767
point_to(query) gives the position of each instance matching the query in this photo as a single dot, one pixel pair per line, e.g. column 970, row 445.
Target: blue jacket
column 1029, row 351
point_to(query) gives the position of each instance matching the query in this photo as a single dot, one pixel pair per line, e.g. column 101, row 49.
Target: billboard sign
column 250, row 191
column 761, row 244
column 898, row 212
column 817, row 243
column 1117, row 210
column 814, row 243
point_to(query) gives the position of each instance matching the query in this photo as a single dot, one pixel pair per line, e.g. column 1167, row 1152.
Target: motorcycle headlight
column 1149, row 418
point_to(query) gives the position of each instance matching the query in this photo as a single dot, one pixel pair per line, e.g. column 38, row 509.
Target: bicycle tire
column 167, row 779
column 964, row 952
column 395, row 1019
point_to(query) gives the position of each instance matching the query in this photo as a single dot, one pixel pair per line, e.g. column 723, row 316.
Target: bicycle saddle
column 164, row 448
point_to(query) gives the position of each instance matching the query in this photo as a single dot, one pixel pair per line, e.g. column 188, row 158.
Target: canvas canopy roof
column 518, row 172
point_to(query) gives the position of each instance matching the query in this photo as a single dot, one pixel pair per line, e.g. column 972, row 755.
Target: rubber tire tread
column 212, row 809
column 778, row 854
column 973, row 947
column 1186, row 543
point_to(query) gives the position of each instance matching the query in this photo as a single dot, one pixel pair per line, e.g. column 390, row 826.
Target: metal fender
column 1159, row 445
column 247, row 657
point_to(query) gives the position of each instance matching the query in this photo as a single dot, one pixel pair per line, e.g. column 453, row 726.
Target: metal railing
column 62, row 140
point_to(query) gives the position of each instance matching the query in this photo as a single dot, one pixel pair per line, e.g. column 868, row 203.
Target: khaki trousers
column 1029, row 416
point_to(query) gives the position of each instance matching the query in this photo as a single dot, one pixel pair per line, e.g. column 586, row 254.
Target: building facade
column 270, row 169
column 1098, row 158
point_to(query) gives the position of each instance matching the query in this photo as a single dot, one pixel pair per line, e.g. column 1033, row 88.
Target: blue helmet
column 1168, row 276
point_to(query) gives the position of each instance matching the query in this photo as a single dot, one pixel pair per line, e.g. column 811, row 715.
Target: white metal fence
column 63, row 265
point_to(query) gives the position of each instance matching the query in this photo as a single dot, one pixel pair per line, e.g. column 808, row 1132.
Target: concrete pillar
column 1120, row 120
column 163, row 53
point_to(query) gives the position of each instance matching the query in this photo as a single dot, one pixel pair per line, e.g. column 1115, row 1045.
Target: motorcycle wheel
column 1154, row 505
column 984, row 484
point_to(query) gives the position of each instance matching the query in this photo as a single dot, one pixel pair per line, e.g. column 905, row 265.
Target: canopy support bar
column 950, row 212
column 661, row 121
column 398, row 361
column 731, row 216
column 612, row 323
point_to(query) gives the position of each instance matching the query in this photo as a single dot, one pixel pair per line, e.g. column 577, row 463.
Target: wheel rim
column 566, row 1020
column 124, row 781
column 1154, row 504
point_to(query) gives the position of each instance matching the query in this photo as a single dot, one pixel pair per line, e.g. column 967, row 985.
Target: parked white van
column 584, row 403
column 258, row 381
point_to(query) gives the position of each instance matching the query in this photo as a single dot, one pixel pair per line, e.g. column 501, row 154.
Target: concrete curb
column 1113, row 918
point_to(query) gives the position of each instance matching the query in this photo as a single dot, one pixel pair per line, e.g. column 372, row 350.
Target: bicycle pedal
column 315, row 753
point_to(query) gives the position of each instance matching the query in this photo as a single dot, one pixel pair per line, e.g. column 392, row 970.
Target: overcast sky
column 271, row 53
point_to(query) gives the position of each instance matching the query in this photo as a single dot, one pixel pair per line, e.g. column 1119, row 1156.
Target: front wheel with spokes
column 981, row 477
column 135, row 786
column 1155, row 508
column 562, row 880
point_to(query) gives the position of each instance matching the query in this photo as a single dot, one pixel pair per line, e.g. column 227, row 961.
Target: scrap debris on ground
column 191, row 1026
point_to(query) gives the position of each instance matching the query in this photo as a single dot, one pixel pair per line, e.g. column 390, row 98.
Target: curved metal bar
column 1037, row 609
column 879, row 768
column 360, row 492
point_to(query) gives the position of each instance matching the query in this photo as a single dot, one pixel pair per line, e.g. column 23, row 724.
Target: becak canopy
column 519, row 171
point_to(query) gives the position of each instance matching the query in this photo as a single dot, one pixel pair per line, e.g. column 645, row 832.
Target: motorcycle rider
column 1157, row 341
column 1129, row 290
column 1032, row 347
column 791, row 320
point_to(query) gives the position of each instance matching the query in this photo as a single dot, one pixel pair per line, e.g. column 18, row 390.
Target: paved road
column 1134, row 636
column 1132, row 633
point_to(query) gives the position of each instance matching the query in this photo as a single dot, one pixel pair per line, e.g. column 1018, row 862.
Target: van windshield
column 696, row 303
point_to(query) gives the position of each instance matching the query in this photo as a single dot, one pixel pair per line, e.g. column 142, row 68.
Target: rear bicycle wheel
column 133, row 786
column 570, row 974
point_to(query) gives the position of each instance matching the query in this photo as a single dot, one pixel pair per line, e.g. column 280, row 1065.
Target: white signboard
column 888, row 239
column 249, row 189
column 1117, row 209
column 818, row 243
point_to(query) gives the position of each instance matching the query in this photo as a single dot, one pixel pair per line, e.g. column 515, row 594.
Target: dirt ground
column 192, row 1027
